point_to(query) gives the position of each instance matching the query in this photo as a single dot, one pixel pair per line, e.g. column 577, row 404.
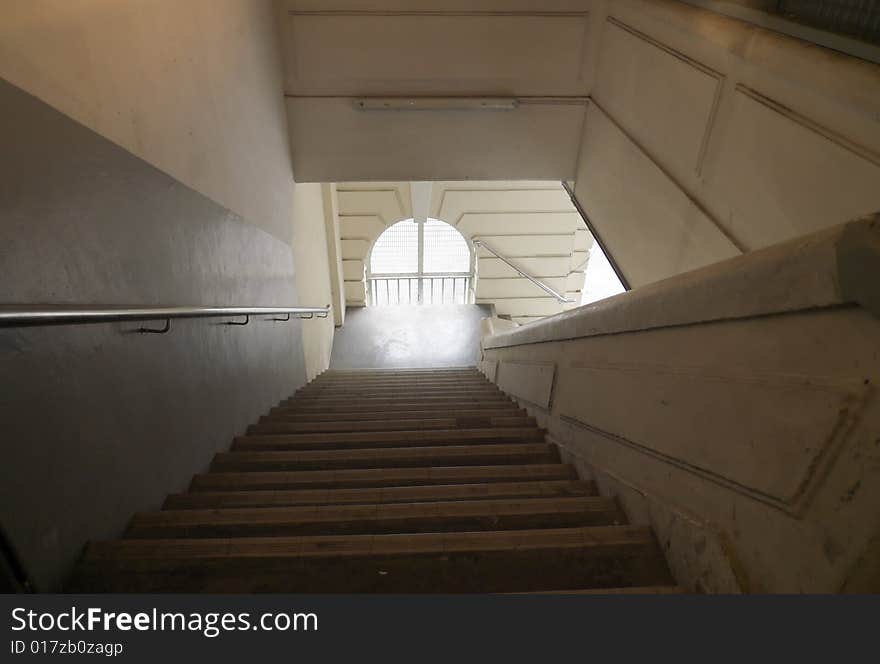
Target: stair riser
column 449, row 380
column 475, row 433
column 485, row 491
column 409, row 399
column 284, row 416
column 423, row 524
column 380, row 439
column 389, row 425
column 334, row 446
column 403, row 462
column 398, row 385
column 379, row 478
column 505, row 571
column 316, row 392
column 391, row 407
column 482, row 393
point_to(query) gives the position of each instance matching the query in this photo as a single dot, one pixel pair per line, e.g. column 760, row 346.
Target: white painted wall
column 194, row 88
column 707, row 137
column 310, row 256
column 731, row 408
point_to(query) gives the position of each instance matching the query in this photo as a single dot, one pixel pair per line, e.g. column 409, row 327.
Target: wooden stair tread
column 319, row 440
column 388, row 456
column 282, row 415
column 379, row 495
column 381, row 477
column 409, row 397
column 505, row 561
column 398, row 386
column 497, row 514
column 393, row 407
column 623, row 538
column 342, row 425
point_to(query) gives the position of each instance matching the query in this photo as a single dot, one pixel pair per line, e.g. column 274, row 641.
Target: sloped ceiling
column 335, row 52
column 532, row 223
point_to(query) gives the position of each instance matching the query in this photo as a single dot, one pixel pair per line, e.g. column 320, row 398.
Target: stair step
column 415, row 399
column 399, row 380
column 270, row 427
column 422, row 517
column 379, row 477
column 494, row 561
column 397, row 383
column 359, row 439
column 501, row 453
column 357, row 406
column 390, row 392
column 281, row 415
column 379, row 495
column 427, row 371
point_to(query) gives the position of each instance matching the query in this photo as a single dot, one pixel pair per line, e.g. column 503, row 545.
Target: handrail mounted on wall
column 33, row 315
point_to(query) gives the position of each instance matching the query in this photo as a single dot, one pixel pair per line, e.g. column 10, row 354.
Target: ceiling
column 539, row 53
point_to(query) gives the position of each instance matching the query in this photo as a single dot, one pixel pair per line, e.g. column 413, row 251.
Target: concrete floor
column 427, row 336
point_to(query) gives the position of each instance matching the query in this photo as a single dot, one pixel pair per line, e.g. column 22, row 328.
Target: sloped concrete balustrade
column 732, row 408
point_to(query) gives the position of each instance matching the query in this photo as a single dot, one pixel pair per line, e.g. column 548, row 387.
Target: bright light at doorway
column 600, row 281
column 408, row 267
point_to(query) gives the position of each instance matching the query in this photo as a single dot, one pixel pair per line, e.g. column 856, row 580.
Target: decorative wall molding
column 836, row 138
column 489, row 368
column 758, row 419
column 530, row 381
column 696, row 64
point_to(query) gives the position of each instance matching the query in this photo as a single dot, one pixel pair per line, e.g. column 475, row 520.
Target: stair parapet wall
column 732, row 407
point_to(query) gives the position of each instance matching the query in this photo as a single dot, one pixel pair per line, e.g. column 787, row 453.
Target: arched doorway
column 412, row 263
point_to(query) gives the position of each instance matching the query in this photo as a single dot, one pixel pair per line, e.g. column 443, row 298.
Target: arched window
column 413, row 263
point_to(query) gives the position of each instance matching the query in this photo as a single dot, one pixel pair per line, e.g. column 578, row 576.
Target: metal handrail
column 30, row 315
column 544, row 287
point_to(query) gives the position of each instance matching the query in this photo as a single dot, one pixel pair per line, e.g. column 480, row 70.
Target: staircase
column 384, row 481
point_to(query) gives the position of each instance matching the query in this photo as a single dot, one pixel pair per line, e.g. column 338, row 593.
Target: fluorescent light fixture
column 435, row 104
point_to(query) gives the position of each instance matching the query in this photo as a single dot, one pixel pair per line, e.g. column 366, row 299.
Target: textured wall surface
column 100, row 421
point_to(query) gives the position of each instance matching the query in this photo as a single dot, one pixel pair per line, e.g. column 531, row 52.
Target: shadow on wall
column 417, row 336
column 100, row 422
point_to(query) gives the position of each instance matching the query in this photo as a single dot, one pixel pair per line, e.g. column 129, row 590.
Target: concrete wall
column 313, row 273
column 182, row 194
column 707, row 137
column 533, row 223
column 194, row 88
column 99, row 421
column 732, row 408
